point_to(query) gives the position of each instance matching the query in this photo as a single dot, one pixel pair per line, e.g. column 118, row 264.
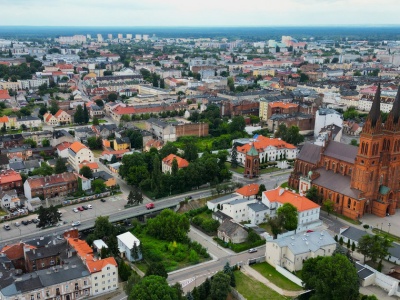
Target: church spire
column 396, row 107
column 375, row 111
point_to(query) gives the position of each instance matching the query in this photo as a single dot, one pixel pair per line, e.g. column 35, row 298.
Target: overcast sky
column 199, row 12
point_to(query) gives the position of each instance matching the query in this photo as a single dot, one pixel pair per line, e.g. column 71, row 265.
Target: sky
column 199, row 12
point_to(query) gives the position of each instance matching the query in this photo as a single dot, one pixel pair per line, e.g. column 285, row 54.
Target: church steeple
column 373, row 122
column 396, row 107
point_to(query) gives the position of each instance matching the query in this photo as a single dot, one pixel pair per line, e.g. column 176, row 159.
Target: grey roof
column 336, row 182
column 341, row 151
column 60, row 133
column 364, row 273
column 394, row 251
column 32, row 164
column 353, row 233
column 257, row 207
column 325, row 111
column 230, row 227
column 102, row 174
column 304, row 243
column 158, row 122
column 220, row 215
column 17, row 166
column 109, row 127
column 40, row 242
column 238, row 201
column 310, row 153
column 45, row 251
column 28, row 285
column 225, row 198
column 28, row 118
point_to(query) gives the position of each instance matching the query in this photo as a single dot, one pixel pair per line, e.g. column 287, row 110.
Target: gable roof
column 353, row 233
column 77, row 146
column 182, row 163
column 310, row 153
column 262, row 142
column 98, row 265
column 341, row 151
column 128, row 239
column 229, row 227
column 63, row 146
column 248, row 190
column 286, row 196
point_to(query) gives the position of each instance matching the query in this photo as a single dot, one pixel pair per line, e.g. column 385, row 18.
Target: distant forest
column 369, row 33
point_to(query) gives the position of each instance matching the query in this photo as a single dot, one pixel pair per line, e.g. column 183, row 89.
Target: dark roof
column 60, row 133
column 375, row 112
column 364, row 273
column 40, row 253
column 341, row 151
column 257, row 207
column 394, row 251
column 230, row 227
column 353, row 233
column 396, row 107
column 28, row 285
column 31, row 164
column 310, row 153
column 336, row 182
column 102, row 174
column 40, row 242
column 3, row 159
column 17, row 166
column 220, row 215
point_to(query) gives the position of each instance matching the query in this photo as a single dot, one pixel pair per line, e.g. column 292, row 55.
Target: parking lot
column 99, row 208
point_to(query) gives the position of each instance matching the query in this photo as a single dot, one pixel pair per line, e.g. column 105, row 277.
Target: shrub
column 366, row 226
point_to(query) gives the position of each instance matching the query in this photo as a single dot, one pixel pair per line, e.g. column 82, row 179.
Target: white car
column 89, row 206
column 75, row 210
column 76, row 223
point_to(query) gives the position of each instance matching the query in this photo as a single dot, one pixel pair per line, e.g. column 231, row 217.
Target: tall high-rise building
column 145, row 37
column 120, row 36
column 109, row 36
column 99, row 37
column 138, row 37
column 129, row 36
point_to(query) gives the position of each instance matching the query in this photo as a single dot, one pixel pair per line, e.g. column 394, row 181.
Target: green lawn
column 266, row 227
column 97, row 153
column 252, row 289
column 285, row 185
column 140, row 125
column 269, row 170
column 239, row 169
column 3, row 213
column 393, row 237
column 7, row 111
column 275, row 277
column 101, row 121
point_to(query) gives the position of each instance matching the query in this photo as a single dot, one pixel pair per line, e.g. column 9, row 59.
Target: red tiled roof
column 39, row 182
column 182, row 163
column 4, row 94
column 77, row 146
column 263, row 142
column 300, row 202
column 124, row 110
column 91, row 165
column 248, row 190
column 9, row 176
column 282, row 104
column 58, row 113
column 4, row 119
column 63, row 146
column 97, row 265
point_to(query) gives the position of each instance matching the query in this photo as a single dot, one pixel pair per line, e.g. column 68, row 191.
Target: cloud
column 198, row 13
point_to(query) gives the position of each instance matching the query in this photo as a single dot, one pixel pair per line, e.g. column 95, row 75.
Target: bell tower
column 365, row 176
column 252, row 163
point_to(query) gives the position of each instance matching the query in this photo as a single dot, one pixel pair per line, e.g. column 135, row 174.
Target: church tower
column 252, row 163
column 365, row 176
column 390, row 161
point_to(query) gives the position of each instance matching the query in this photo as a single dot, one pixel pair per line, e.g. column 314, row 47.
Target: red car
column 80, row 208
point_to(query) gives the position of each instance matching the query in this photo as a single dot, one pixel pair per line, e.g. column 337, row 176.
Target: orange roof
column 4, row 94
column 63, row 146
column 286, row 196
column 124, row 110
column 77, row 146
column 97, row 265
column 58, row 113
column 14, row 251
column 81, row 247
column 182, row 163
column 248, row 190
column 56, row 179
column 282, row 105
column 9, row 176
column 262, row 142
column 115, row 152
column 4, row 119
column 91, row 165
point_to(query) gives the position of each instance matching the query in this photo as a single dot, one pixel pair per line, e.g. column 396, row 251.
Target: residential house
column 119, row 111
column 4, row 95
column 122, row 143
column 109, row 180
column 33, row 204
column 232, row 232
column 38, row 136
column 61, row 136
column 167, row 162
column 95, row 111
column 63, row 117
column 29, row 122
column 108, row 154
column 92, row 165
column 249, row 190
column 9, row 180
column 126, row 244
column 114, row 167
column 104, row 130
column 158, row 144
column 290, row 252
column 11, row 140
column 49, row 119
column 86, row 183
column 79, row 153
column 83, row 133
column 9, row 199
column 51, row 186
column 62, row 149
column 269, row 149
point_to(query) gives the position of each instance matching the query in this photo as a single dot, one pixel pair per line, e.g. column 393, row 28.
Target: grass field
column 140, row 125
column 239, row 169
column 3, row 213
column 275, row 277
column 252, row 289
column 97, row 153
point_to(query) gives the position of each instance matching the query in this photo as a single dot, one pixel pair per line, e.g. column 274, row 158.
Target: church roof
column 341, row 151
column 310, row 153
column 375, row 111
column 252, row 151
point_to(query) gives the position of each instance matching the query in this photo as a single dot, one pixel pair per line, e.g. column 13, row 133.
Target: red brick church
column 359, row 180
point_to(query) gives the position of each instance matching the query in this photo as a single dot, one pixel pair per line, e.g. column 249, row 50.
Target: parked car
column 150, row 205
column 76, row 223
column 103, row 200
column 35, row 220
column 17, row 224
column 75, row 210
column 84, row 207
column 80, row 209
column 89, row 206
column 25, row 222
column 7, row 227
column 252, row 250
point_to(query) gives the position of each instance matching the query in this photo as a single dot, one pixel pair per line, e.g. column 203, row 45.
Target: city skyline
column 206, row 13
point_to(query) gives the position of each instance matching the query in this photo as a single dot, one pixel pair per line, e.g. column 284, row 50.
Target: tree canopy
column 374, row 246
column 153, row 288
column 169, row 226
column 48, row 216
column 288, row 215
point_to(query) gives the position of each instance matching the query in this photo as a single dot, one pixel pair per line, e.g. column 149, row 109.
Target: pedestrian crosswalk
column 187, row 281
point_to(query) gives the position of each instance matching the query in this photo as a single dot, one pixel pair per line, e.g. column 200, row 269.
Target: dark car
column 35, row 220
column 103, row 200
column 25, row 222
column 85, row 207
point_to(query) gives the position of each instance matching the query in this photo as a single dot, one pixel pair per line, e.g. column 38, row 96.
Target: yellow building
column 264, row 72
column 122, row 143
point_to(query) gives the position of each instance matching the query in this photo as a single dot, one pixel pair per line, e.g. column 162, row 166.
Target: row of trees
column 81, row 115
column 290, row 135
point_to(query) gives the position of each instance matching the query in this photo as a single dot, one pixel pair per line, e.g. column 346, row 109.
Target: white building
column 366, row 104
column 269, row 149
column 78, row 153
column 290, row 252
column 327, row 116
column 126, row 242
column 9, row 199
column 29, row 122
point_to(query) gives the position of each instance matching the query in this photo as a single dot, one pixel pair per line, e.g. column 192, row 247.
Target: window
column 47, row 293
column 85, row 282
column 108, row 268
column 38, row 296
column 96, row 284
column 51, row 262
column 32, row 297
column 76, row 287
column 42, row 265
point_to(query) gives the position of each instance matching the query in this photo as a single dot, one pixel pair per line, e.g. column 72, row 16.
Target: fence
column 237, row 295
column 289, row 275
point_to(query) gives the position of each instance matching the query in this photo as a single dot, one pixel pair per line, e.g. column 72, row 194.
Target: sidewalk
column 249, row 271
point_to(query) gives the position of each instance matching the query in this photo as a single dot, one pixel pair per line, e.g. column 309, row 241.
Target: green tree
column 30, row 142
column 98, row 186
column 124, row 270
column 169, row 148
column 331, row 278
column 78, row 115
column 353, row 247
column 157, row 269
column 357, row 73
column 289, row 216
column 54, row 107
column 48, row 216
column 304, row 77
column 220, row 286
column 131, row 198
column 112, row 97
column 169, row 226
column 314, row 195
column 44, row 170
column 237, row 125
column 125, row 118
column 261, row 189
column 234, row 162
column 329, row 206
column 374, row 246
column 60, row 166
column 228, row 270
column 153, row 288
column 86, row 172
column 190, row 151
column 96, row 122
column 354, row 142
column 95, row 143
column 4, row 128
column 231, row 84
column 45, row 143
column 174, row 168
